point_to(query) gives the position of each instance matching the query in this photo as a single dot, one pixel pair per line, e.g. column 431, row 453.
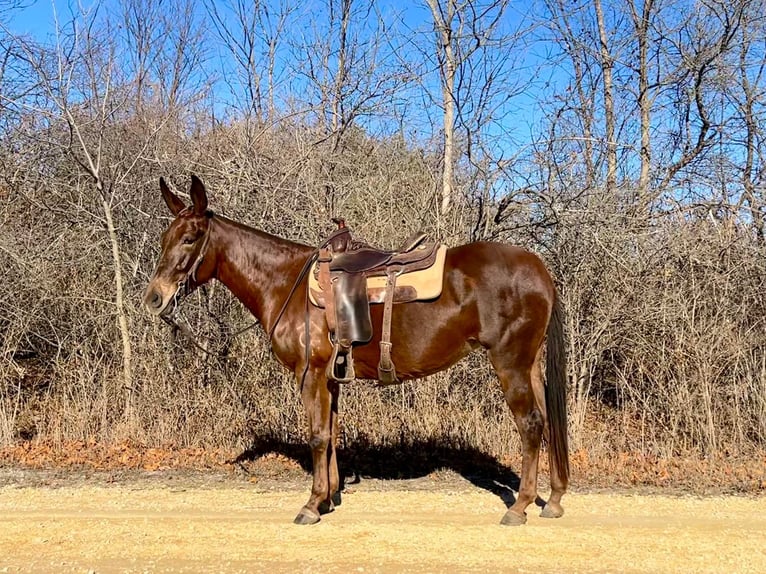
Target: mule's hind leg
column 559, row 481
column 517, row 387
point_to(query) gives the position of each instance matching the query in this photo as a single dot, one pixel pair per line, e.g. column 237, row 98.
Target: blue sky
column 517, row 119
column 37, row 18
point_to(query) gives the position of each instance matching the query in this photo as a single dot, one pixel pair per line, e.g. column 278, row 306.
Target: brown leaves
column 690, row 473
column 125, row 455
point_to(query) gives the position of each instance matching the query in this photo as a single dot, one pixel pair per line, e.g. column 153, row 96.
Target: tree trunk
column 607, row 63
column 449, row 136
column 122, row 316
column 642, row 34
column 751, row 126
column 447, row 70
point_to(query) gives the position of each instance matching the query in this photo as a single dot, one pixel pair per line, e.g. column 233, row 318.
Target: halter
column 183, row 287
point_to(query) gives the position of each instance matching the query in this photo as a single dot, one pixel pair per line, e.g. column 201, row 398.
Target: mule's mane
column 261, row 235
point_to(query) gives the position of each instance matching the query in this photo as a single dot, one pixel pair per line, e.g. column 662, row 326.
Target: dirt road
column 161, row 524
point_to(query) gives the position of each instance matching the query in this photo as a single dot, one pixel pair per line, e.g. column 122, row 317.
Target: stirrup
column 341, row 365
column 387, row 376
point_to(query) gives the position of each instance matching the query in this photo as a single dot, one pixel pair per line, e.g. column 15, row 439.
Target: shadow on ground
column 407, row 461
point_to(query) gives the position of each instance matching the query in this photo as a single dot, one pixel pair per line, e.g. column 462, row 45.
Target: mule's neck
column 258, row 268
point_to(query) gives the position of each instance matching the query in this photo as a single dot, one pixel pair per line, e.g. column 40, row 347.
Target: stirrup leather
column 386, row 368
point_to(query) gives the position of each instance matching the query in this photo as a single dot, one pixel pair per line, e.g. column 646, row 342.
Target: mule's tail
column 556, row 389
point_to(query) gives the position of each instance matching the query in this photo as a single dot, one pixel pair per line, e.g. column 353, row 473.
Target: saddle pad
column 423, row 285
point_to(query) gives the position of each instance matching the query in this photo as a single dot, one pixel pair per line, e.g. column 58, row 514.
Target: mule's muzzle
column 156, row 303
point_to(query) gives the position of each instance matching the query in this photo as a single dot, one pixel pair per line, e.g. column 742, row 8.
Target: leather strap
column 386, row 369
column 325, row 255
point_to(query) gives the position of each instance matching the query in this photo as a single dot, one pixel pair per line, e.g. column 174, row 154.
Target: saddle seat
column 374, row 261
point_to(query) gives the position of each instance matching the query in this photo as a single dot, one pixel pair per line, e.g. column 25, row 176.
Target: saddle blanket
column 413, row 286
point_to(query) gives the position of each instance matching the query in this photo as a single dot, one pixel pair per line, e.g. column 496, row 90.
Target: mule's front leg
column 318, row 401
column 333, row 475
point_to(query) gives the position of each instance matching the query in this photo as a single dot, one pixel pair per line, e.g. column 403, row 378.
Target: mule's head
column 185, row 243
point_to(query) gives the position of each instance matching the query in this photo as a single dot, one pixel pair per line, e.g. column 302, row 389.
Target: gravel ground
column 217, row 522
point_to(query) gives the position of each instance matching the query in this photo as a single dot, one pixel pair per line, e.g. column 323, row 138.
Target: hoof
column 513, row 518
column 326, row 506
column 552, row 511
column 336, row 498
column 306, row 516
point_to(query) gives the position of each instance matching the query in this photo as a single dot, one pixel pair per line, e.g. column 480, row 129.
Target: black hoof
column 336, row 499
column 326, row 507
column 306, row 516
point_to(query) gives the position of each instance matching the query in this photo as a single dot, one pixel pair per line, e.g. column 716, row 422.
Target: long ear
column 174, row 203
column 198, row 196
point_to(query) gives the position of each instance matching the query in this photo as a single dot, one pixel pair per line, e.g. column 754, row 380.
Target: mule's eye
column 188, row 240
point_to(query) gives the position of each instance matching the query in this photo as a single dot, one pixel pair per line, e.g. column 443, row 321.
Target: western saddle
column 344, row 267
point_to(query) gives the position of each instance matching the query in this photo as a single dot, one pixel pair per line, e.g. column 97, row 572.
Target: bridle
column 191, row 274
column 183, row 285
column 184, row 288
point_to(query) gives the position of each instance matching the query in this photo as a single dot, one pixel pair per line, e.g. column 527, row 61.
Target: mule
column 494, row 295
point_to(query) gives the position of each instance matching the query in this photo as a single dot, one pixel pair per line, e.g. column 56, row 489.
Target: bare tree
column 444, row 16
column 463, row 30
column 577, row 50
column 704, row 38
column 347, row 72
column 81, row 92
column 142, row 36
column 252, row 33
column 183, row 50
column 583, row 119
column 84, row 62
column 750, row 99
column 641, row 23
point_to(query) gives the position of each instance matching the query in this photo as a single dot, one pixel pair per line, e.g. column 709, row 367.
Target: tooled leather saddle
column 349, row 276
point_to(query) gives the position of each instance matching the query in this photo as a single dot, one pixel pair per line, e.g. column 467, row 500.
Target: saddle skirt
column 422, row 285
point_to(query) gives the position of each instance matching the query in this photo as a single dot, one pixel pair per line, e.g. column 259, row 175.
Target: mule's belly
column 426, row 337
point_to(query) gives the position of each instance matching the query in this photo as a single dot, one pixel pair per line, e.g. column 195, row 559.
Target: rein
column 304, row 271
column 186, row 330
column 293, row 289
column 306, row 323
